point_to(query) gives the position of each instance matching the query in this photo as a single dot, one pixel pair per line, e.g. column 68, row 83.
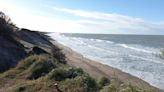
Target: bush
column 90, row 82
column 27, row 62
column 12, row 73
column 79, row 84
column 60, row 74
column 30, row 86
column 103, row 82
column 74, row 72
column 41, row 67
column 117, row 86
column 32, row 67
column 56, row 52
column 22, row 86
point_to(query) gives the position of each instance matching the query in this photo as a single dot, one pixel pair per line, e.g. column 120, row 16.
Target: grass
column 79, row 84
column 57, row 53
column 32, row 86
column 41, row 67
column 39, row 73
column 38, row 70
column 103, row 82
column 118, row 86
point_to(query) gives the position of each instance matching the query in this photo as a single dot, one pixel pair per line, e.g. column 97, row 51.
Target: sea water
column 138, row 55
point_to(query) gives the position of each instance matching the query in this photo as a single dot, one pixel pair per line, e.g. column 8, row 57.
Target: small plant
column 27, row 62
column 60, row 74
column 12, row 73
column 79, row 84
column 58, row 54
column 43, row 65
column 103, row 82
column 118, row 86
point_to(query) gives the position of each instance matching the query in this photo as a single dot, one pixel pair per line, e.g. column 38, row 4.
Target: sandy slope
column 97, row 70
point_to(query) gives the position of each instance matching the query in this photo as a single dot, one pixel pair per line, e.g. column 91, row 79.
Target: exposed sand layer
column 97, row 70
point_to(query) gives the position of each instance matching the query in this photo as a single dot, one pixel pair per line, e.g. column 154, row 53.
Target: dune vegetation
column 45, row 73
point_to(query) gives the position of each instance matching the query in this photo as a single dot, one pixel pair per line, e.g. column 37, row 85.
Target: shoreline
column 98, row 70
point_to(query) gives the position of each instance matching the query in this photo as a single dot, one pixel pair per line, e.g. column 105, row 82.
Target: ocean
column 138, row 55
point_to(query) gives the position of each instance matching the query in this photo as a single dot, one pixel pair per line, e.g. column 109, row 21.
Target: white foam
column 98, row 40
column 136, row 49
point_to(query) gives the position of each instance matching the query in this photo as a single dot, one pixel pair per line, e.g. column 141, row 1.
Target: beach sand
column 98, row 70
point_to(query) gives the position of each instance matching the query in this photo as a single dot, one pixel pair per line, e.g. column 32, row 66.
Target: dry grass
column 39, row 73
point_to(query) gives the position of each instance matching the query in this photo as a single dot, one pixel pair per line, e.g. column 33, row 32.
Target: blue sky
column 88, row 16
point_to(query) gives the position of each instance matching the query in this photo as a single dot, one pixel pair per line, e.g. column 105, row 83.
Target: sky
column 88, row 16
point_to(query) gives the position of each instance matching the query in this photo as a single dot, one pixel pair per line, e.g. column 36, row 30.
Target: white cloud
column 24, row 18
column 109, row 22
column 85, row 22
column 99, row 15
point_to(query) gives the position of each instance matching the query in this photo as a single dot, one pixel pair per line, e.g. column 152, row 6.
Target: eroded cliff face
column 16, row 43
column 10, row 53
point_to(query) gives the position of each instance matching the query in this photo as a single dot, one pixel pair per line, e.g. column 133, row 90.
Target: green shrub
column 117, row 86
column 79, row 84
column 32, row 67
column 60, row 74
column 27, row 62
column 20, row 87
column 12, row 73
column 58, row 54
column 74, row 72
column 42, row 66
column 103, row 82
column 90, row 82
column 30, row 86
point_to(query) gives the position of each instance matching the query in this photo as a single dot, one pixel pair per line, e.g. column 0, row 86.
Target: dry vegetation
column 40, row 73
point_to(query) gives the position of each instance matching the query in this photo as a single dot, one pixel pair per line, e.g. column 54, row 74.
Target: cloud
column 24, row 18
column 79, row 21
column 99, row 15
column 109, row 22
